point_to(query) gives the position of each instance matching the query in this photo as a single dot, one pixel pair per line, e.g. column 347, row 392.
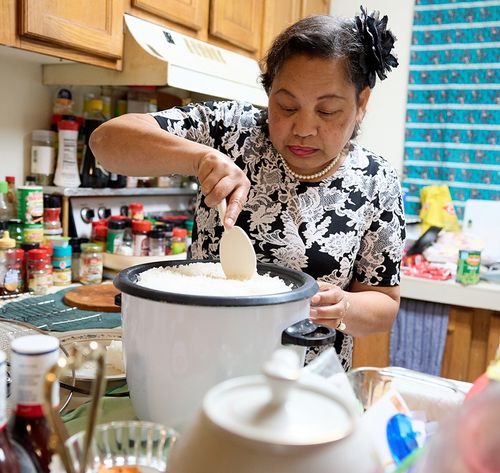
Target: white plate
column 103, row 336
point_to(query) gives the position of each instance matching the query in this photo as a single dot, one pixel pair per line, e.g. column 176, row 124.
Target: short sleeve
column 379, row 257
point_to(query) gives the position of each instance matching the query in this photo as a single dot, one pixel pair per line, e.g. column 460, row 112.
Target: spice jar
column 136, row 211
column 157, row 242
column 90, row 263
column 9, row 276
column 116, row 229
column 38, row 276
column 179, row 240
column 140, row 229
column 75, row 257
column 61, row 264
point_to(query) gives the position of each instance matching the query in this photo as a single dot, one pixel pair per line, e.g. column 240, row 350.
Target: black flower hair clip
column 378, row 43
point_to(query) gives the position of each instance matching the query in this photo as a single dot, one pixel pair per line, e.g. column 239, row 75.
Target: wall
column 382, row 130
column 25, row 105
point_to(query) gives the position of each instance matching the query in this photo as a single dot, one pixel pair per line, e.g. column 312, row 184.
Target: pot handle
column 308, row 334
column 118, row 299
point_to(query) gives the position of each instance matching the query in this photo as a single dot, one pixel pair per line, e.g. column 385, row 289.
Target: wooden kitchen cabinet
column 278, row 16
column 89, row 32
column 314, row 7
column 472, row 339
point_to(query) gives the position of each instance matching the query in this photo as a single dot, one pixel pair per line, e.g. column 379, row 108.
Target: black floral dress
column 348, row 226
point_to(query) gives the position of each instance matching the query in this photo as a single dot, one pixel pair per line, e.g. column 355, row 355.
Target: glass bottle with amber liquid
column 31, row 357
column 9, row 462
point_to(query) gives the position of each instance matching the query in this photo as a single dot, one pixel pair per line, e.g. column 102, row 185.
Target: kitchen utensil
column 275, row 422
column 237, row 255
column 177, row 346
column 96, row 297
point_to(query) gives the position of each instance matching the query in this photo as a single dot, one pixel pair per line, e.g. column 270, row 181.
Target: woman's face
column 312, row 111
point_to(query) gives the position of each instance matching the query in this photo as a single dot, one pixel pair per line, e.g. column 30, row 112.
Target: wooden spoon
column 236, row 252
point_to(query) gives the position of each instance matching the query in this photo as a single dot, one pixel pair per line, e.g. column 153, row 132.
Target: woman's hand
column 221, row 179
column 329, row 306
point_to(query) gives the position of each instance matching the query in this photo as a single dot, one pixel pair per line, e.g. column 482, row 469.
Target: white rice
column 208, row 279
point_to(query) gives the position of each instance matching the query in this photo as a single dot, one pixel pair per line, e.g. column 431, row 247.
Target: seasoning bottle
column 8, row 458
column 21, row 267
column 9, row 275
column 136, row 211
column 67, row 164
column 11, row 196
column 61, row 264
column 140, row 229
column 75, row 257
column 157, row 243
column 37, row 274
column 51, row 217
column 43, row 156
column 31, row 358
column 179, row 240
column 16, row 231
column 24, row 271
column 90, row 264
column 116, row 228
column 4, row 210
column 49, row 252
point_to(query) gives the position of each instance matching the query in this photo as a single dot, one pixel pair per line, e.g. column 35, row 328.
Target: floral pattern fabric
column 348, row 226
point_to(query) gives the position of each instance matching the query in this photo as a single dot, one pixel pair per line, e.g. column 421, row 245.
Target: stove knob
column 103, row 212
column 87, row 214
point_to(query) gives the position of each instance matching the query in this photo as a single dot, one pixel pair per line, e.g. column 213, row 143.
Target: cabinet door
column 188, row 13
column 93, row 26
column 277, row 16
column 8, row 22
column 315, row 7
column 238, row 22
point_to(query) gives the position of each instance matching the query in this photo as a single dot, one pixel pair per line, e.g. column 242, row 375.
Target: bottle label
column 43, row 159
column 28, row 381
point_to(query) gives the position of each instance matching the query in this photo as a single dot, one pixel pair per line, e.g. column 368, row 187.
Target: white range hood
column 155, row 55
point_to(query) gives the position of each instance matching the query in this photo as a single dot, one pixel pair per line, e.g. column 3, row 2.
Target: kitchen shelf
column 125, row 191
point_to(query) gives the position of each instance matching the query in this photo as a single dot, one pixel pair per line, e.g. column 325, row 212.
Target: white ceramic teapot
column 280, row 421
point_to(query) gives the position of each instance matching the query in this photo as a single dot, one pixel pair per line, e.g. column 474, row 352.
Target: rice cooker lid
column 303, row 287
column 278, row 407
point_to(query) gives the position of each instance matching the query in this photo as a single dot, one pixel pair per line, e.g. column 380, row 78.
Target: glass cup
column 142, row 444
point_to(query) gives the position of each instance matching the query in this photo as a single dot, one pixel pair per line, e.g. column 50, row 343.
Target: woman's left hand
column 329, row 306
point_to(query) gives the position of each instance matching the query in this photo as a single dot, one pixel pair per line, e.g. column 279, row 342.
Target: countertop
column 485, row 295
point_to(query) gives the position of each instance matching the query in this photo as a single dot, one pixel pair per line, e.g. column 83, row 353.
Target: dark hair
column 363, row 43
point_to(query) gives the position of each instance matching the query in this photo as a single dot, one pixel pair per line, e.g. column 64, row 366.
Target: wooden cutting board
column 97, row 297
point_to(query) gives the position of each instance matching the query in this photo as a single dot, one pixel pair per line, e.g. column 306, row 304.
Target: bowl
column 145, row 445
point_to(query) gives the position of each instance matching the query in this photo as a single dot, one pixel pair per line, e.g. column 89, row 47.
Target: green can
column 30, row 204
column 468, row 267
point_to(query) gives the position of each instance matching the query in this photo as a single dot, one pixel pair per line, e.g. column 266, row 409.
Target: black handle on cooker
column 308, row 334
column 118, row 299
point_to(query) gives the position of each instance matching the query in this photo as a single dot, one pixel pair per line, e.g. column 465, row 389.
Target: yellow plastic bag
column 437, row 209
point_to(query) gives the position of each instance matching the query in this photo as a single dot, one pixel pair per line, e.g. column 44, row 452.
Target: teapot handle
column 93, row 352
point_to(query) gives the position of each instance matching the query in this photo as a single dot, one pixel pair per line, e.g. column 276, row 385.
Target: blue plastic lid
column 62, row 251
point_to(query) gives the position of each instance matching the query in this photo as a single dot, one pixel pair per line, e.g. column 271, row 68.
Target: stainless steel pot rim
column 304, row 287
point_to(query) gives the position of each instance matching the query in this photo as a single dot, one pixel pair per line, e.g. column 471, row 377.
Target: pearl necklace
column 316, row 175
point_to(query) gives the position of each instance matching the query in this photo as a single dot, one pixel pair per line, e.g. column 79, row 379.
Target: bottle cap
column 10, row 179
column 35, row 344
column 43, row 135
column 141, row 225
column 179, row 232
column 91, row 247
column 96, row 104
column 6, row 242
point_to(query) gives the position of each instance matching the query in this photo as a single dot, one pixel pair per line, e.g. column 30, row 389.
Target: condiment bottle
column 43, row 156
column 26, row 247
column 140, row 229
column 11, row 196
column 75, row 257
column 9, row 276
column 38, row 275
column 136, row 211
column 157, row 243
column 67, row 165
column 179, row 240
column 16, row 231
column 116, row 228
column 90, row 264
column 8, row 458
column 61, row 264
column 4, row 210
column 31, row 358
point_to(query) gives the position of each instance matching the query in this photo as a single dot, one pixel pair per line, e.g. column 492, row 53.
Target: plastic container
column 30, row 200
column 136, row 211
column 116, row 229
column 9, row 276
column 61, row 264
column 157, row 242
column 90, row 264
column 43, row 156
column 140, row 229
column 38, row 275
column 51, row 221
column 179, row 244
column 67, row 163
column 75, row 257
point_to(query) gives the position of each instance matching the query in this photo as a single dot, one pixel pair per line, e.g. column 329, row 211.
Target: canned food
column 30, row 201
column 468, row 267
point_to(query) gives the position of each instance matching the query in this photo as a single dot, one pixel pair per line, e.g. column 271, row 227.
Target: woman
column 307, row 195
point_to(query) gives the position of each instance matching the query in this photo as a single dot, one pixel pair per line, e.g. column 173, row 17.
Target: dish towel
column 418, row 336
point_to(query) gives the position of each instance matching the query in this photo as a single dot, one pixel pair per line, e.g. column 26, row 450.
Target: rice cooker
column 177, row 346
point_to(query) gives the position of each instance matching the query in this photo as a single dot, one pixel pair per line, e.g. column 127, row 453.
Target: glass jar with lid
column 91, row 263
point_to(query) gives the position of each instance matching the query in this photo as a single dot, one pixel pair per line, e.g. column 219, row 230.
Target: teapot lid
column 280, row 407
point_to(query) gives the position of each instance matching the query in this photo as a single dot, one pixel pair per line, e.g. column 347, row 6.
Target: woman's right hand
column 221, row 179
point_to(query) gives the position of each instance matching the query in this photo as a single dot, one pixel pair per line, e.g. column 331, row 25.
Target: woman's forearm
column 135, row 145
